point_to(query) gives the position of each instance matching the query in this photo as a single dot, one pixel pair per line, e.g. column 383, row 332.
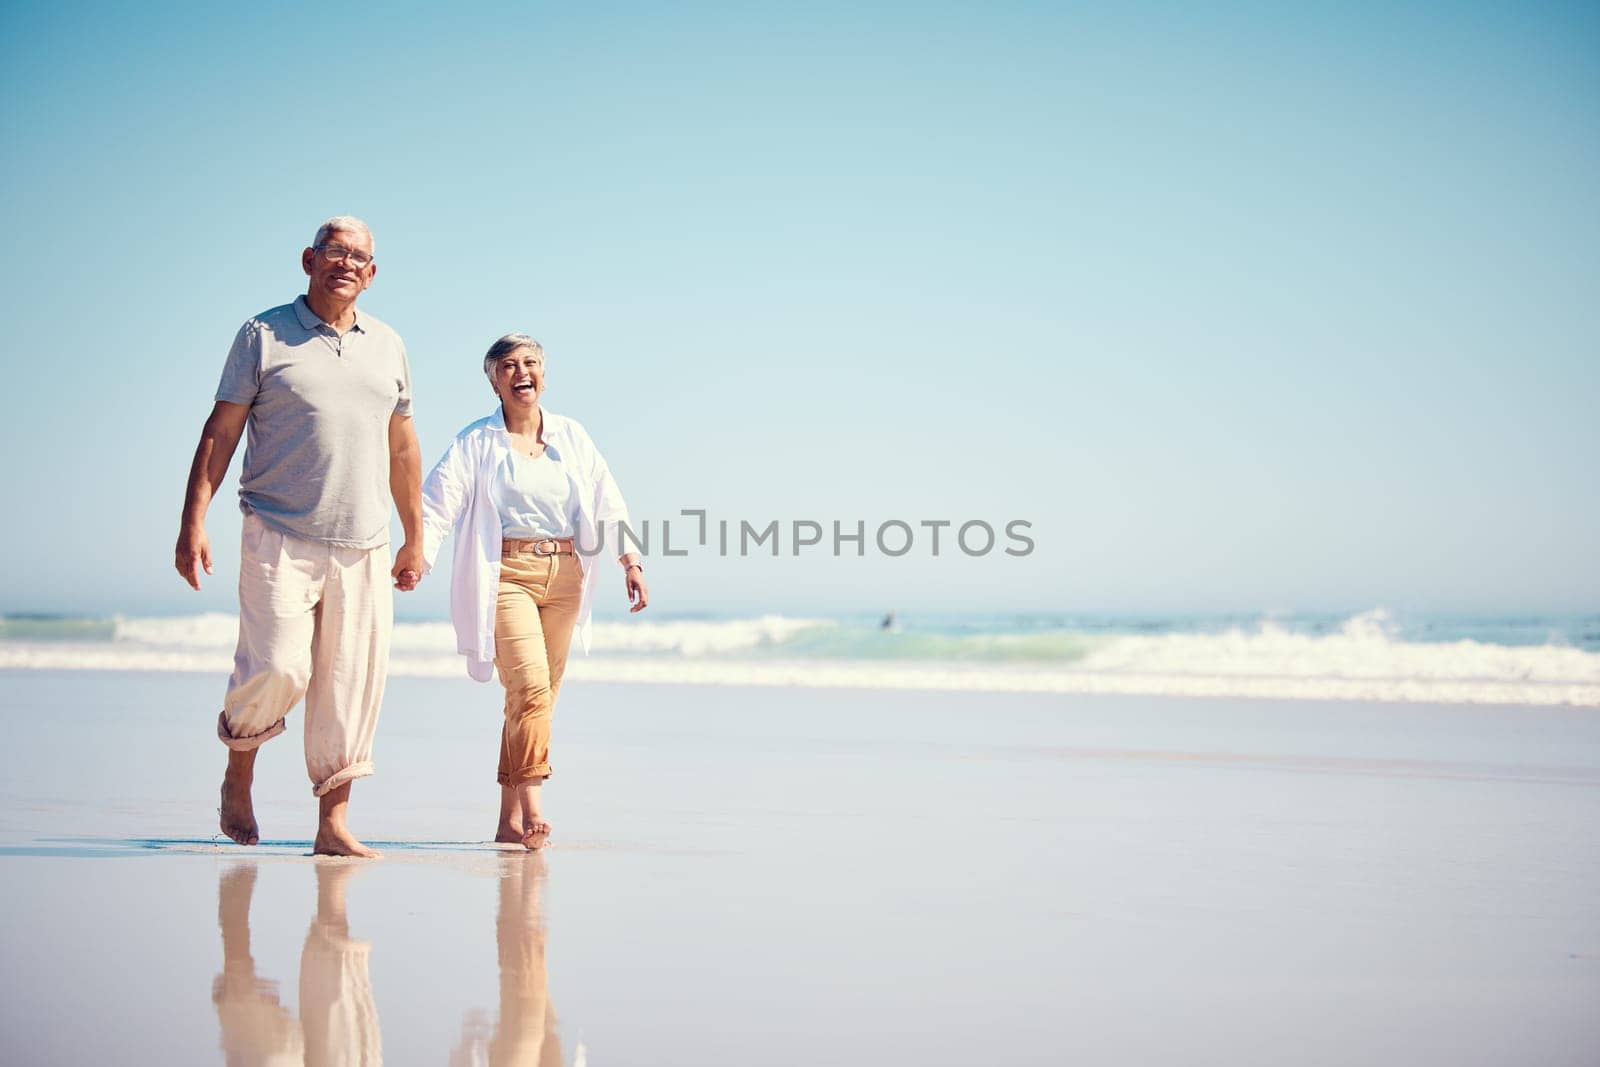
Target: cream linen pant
column 314, row 621
column 338, row 1015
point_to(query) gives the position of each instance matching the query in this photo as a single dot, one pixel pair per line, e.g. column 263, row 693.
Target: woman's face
column 519, row 378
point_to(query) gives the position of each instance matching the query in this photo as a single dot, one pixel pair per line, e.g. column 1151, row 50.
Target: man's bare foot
column 537, row 834
column 508, row 833
column 333, row 838
column 337, row 841
column 237, row 812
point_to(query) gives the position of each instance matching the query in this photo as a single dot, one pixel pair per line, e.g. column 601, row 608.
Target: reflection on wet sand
column 338, row 1018
column 524, row 1035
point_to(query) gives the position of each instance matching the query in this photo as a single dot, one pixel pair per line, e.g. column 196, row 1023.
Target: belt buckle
column 546, row 547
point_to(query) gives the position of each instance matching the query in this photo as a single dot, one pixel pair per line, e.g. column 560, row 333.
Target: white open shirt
column 458, row 496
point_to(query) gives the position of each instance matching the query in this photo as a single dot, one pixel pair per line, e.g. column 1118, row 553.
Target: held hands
column 408, row 567
column 193, row 553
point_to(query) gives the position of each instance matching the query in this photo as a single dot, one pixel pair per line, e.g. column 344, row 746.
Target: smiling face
column 518, row 378
column 342, row 281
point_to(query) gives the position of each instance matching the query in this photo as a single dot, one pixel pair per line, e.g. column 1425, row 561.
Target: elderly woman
column 535, row 511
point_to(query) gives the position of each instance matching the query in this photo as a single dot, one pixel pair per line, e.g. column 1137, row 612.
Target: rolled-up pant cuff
column 245, row 744
column 349, row 774
column 537, row 774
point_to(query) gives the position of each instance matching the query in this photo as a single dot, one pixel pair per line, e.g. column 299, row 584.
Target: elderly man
column 326, row 394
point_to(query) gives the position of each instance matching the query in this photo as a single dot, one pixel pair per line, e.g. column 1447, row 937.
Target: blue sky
column 1244, row 308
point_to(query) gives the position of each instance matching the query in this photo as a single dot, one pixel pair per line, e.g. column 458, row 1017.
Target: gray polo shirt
column 316, row 460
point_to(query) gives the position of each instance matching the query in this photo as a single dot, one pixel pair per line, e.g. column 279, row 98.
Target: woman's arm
column 445, row 494
column 611, row 509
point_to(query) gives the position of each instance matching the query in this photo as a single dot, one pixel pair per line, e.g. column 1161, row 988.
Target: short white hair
column 340, row 224
column 511, row 342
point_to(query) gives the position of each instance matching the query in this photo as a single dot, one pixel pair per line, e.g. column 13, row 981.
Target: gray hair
column 340, row 224
column 508, row 344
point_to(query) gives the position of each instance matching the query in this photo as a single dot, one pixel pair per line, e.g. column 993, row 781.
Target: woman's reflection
column 338, row 1019
column 525, row 1033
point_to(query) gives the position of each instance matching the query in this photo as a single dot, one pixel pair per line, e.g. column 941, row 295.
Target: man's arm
column 218, row 440
column 405, row 485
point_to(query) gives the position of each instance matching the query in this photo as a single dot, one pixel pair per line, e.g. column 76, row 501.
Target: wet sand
column 745, row 876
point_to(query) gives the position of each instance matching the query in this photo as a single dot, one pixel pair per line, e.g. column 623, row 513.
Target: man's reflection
column 338, row 1019
column 525, row 1033
column 256, row 1028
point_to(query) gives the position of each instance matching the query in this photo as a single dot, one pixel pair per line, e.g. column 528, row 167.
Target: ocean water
column 1374, row 655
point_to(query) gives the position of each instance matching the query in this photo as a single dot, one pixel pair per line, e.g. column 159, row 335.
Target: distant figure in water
column 887, row 625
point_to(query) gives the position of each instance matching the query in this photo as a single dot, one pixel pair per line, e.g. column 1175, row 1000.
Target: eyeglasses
column 336, row 254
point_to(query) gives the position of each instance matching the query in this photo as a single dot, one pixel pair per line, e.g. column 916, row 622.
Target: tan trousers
column 314, row 621
column 535, row 611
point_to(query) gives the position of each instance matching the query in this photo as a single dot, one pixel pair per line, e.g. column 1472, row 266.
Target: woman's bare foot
column 333, row 838
column 535, row 831
column 237, row 812
column 508, row 831
column 537, row 835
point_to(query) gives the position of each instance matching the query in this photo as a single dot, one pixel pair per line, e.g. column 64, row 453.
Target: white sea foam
column 208, row 631
column 1363, row 660
column 685, row 637
column 702, row 638
column 1364, row 649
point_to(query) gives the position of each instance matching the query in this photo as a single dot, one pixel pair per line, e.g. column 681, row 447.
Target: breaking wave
column 1362, row 657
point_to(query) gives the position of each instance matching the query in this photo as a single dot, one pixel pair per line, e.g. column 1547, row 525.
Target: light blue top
column 536, row 496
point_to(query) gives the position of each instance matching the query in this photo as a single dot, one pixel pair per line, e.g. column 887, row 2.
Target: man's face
column 333, row 268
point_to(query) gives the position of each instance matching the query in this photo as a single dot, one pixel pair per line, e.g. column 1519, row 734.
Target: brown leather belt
column 548, row 546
